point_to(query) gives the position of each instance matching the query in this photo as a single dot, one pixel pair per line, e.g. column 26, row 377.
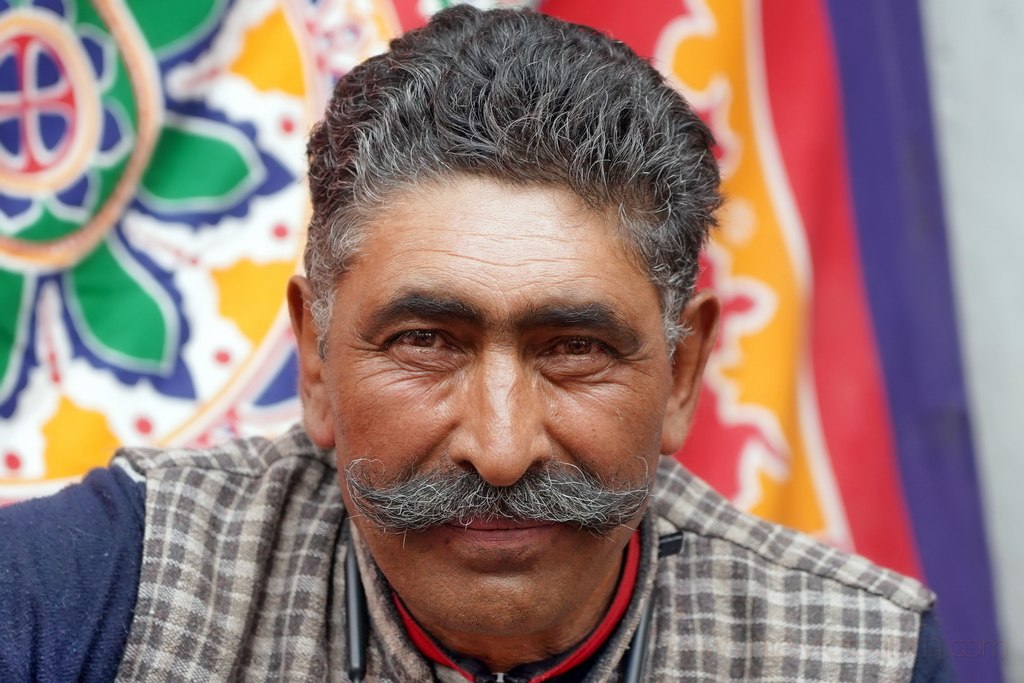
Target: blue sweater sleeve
column 69, row 575
column 932, row 664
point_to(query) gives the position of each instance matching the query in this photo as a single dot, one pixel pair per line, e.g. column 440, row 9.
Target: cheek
column 610, row 428
column 388, row 416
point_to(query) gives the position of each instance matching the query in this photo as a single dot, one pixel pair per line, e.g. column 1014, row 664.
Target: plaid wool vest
column 243, row 579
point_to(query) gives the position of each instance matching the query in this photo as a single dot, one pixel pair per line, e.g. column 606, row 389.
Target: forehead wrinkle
column 520, row 250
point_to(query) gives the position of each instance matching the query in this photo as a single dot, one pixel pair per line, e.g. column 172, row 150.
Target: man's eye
column 425, row 350
column 578, row 346
column 582, row 350
column 577, row 358
column 424, row 339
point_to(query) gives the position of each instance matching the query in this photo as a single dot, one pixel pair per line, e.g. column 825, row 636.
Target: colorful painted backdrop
column 152, row 207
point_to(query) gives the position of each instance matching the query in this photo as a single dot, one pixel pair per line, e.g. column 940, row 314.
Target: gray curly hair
column 527, row 100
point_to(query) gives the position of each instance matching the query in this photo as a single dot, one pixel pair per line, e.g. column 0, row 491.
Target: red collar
column 429, row 648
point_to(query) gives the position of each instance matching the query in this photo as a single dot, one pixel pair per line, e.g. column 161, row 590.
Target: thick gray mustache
column 555, row 492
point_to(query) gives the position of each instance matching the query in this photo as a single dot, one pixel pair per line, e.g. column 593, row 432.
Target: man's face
column 494, row 328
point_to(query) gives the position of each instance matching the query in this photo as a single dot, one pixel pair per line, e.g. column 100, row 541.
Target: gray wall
column 976, row 59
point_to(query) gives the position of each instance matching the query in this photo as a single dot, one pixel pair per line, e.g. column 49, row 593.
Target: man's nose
column 501, row 431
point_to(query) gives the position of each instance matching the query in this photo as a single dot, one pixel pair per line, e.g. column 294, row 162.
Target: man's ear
column 316, row 409
column 700, row 318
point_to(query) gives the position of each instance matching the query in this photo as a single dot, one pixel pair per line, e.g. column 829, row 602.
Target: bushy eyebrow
column 422, row 306
column 588, row 316
column 442, row 308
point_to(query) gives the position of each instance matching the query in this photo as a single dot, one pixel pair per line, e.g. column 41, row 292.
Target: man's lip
column 498, row 546
column 500, row 524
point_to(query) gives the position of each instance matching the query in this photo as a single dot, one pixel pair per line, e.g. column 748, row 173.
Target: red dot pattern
column 12, row 461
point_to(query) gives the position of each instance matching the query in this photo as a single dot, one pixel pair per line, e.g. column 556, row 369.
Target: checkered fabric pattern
column 243, row 580
column 748, row 600
column 239, row 555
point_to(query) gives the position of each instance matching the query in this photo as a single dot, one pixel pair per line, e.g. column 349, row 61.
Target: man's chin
column 523, row 581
